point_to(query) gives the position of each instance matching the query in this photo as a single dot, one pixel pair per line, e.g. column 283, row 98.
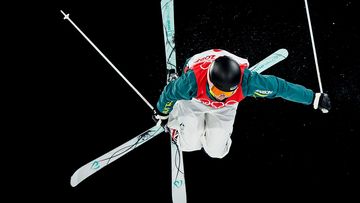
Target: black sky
column 84, row 109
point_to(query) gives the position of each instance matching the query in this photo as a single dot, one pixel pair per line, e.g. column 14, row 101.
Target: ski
column 177, row 164
column 269, row 61
column 167, row 12
column 106, row 159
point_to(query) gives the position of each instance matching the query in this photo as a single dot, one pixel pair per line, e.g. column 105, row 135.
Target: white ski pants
column 201, row 126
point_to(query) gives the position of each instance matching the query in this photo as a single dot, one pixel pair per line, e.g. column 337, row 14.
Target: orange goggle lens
column 216, row 92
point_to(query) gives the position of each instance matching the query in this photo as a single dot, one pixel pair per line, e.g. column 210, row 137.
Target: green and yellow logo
column 167, row 107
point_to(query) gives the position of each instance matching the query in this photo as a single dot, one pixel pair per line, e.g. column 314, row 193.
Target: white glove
column 160, row 118
column 322, row 102
column 172, row 75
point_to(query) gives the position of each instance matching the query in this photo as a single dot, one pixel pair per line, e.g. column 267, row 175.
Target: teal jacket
column 253, row 84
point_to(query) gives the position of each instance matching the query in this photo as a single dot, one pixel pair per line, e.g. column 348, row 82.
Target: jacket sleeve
column 269, row 86
column 183, row 88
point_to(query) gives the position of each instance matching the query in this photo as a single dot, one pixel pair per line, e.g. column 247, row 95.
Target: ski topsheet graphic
column 106, row 159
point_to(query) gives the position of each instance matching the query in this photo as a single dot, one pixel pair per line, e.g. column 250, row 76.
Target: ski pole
column 66, row 17
column 313, row 46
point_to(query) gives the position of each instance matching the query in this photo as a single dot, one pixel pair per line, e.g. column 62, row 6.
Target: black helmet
column 225, row 74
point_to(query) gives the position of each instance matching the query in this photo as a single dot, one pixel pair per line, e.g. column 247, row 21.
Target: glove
column 322, row 102
column 171, row 75
column 160, row 118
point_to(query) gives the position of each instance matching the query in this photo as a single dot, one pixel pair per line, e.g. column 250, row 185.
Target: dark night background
column 280, row 151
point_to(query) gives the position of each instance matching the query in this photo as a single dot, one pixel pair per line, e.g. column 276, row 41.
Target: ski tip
column 283, row 52
column 74, row 181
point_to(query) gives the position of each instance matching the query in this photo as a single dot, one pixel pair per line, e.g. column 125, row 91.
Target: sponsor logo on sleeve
column 262, row 93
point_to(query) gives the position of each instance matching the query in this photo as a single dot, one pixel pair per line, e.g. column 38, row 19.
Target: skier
column 199, row 107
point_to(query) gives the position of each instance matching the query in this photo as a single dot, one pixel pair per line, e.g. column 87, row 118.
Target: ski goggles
column 214, row 91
